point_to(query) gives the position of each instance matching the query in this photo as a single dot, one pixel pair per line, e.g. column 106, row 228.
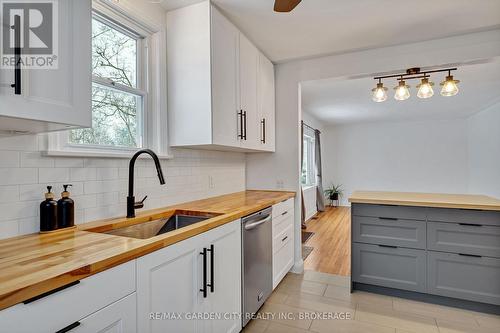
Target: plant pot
column 334, row 196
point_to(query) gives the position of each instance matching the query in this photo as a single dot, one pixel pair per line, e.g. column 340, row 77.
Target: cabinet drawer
column 464, row 216
column 58, row 310
column 389, row 231
column 282, row 238
column 465, row 277
column 282, row 262
column 283, row 208
column 389, row 267
column 468, row 239
column 282, row 222
column 402, row 212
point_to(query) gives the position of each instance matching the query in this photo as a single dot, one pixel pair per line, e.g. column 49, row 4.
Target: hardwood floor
column 331, row 242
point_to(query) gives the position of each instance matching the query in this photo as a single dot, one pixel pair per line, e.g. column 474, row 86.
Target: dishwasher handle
column 254, row 225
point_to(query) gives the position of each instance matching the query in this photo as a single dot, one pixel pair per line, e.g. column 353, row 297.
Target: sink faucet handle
column 140, row 204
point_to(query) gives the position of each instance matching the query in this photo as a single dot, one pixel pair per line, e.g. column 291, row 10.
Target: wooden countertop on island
column 34, row 264
column 440, row 200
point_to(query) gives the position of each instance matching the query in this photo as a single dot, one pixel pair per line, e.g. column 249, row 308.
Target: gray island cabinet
column 445, row 250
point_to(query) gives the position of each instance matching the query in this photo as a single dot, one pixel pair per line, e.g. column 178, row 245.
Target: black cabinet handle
column 471, row 224
column 284, row 238
column 69, row 327
column 284, row 213
column 17, row 55
column 212, row 268
column 240, row 120
column 389, row 246
column 245, row 125
column 204, row 289
column 388, row 218
column 263, row 122
column 74, row 283
column 470, row 255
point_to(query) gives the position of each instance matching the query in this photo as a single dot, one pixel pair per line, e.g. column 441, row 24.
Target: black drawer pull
column 388, row 218
column 389, row 246
column 471, row 224
column 284, row 238
column 69, row 327
column 284, row 213
column 470, row 255
column 36, row 298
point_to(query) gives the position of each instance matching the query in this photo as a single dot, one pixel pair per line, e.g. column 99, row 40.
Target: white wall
column 272, row 170
column 426, row 156
column 484, row 152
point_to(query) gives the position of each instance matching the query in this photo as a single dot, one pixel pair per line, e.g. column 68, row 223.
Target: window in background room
column 308, row 177
column 118, row 94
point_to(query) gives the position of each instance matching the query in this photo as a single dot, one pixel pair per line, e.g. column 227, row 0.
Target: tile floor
column 297, row 302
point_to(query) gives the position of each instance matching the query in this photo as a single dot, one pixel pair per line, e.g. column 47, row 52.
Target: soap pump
column 48, row 212
column 66, row 209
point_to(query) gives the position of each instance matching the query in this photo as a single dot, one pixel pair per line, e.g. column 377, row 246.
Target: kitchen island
column 443, row 248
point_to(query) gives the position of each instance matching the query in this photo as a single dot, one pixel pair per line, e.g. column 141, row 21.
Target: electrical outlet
column 280, row 184
column 211, row 182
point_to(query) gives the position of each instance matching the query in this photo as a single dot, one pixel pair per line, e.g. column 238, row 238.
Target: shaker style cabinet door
column 266, row 104
column 169, row 282
column 49, row 97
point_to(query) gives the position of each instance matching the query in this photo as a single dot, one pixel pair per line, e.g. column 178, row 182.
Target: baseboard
column 298, row 267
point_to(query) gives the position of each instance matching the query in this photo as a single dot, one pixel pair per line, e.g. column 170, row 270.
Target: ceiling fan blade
column 284, row 6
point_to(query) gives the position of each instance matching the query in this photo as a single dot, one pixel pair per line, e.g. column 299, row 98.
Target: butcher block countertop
column 463, row 201
column 33, row 264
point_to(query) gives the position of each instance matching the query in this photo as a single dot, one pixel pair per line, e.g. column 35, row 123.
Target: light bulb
column 402, row 91
column 379, row 93
column 450, row 87
column 425, row 89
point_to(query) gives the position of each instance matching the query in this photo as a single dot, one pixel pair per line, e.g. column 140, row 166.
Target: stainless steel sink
column 157, row 227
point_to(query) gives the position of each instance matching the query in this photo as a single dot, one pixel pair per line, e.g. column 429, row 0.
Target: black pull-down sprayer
column 131, row 204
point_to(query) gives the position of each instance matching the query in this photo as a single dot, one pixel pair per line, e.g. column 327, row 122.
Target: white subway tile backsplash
column 16, row 176
column 100, row 185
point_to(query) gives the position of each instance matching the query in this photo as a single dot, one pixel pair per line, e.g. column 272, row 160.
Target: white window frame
column 151, row 84
column 310, row 143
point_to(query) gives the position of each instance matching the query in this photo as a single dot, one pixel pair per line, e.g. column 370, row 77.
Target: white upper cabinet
column 214, row 83
column 49, row 99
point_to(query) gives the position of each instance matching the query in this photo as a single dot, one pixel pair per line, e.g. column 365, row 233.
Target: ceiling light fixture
column 402, row 92
column 449, row 85
column 425, row 88
column 379, row 92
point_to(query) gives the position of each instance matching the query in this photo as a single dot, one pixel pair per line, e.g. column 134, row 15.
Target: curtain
column 302, row 204
column 320, row 197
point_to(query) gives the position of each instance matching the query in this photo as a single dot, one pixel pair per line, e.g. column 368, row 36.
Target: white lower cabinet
column 283, row 255
column 170, row 284
column 119, row 317
column 93, row 302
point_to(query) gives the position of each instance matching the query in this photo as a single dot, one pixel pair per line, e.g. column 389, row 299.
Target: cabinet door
column 249, row 60
column 266, row 106
column 226, row 295
column 468, row 277
column 119, row 317
column 391, row 267
column 61, row 95
column 225, row 82
column 168, row 282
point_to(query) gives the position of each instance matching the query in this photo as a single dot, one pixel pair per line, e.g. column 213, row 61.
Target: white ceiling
column 318, row 27
column 335, row 101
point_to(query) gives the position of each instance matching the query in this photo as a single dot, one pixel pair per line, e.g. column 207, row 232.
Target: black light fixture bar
column 410, row 74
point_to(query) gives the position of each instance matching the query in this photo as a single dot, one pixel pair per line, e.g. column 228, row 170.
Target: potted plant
column 334, row 192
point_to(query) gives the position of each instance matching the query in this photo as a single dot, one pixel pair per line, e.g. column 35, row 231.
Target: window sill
column 307, row 187
column 96, row 153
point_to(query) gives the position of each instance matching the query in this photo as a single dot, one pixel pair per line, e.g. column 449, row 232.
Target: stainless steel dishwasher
column 257, row 261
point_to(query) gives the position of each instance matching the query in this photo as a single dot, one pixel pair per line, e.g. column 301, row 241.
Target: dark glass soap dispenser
column 48, row 212
column 66, row 209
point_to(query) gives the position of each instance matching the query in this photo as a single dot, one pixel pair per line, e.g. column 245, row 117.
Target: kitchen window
column 118, row 94
column 128, row 81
